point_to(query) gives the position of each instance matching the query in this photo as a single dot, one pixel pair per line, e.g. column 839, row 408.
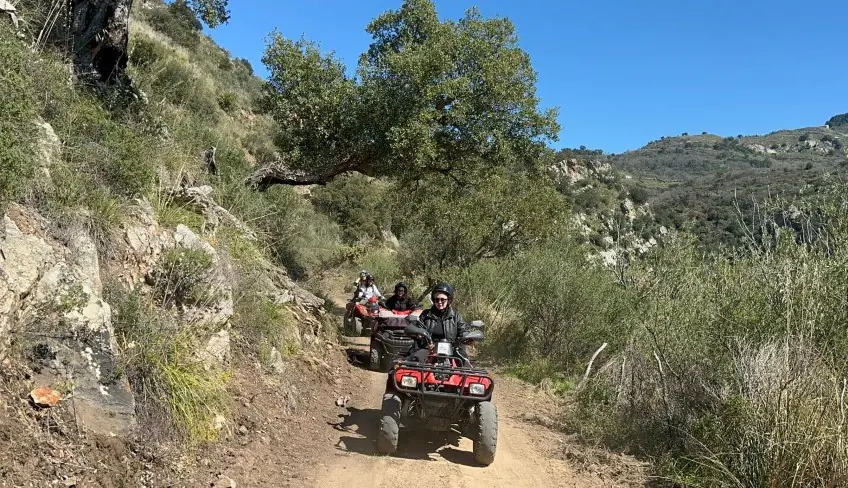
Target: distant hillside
column 698, row 180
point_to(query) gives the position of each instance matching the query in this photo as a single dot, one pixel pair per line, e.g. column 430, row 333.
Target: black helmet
column 443, row 288
column 402, row 284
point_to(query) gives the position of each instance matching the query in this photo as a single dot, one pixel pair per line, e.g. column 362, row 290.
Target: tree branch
column 280, row 174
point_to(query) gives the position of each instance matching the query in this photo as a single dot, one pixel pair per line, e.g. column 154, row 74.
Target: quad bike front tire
column 486, row 430
column 376, row 358
column 386, row 361
column 387, row 437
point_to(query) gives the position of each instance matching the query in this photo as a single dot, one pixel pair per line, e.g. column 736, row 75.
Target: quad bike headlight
column 409, row 382
column 476, row 389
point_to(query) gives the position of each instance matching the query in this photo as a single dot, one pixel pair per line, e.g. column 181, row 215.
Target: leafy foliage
column 212, row 12
column 498, row 216
column 838, row 120
column 17, row 148
column 431, row 96
column 355, row 203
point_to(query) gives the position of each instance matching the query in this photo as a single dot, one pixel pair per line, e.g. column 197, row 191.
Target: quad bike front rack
column 463, row 372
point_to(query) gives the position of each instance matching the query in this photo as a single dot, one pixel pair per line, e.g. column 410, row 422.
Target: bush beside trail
column 726, row 370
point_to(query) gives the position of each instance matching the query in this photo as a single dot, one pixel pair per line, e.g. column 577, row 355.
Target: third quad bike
column 360, row 315
column 388, row 337
column 444, row 393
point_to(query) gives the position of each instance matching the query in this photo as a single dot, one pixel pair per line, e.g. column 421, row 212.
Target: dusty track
column 528, row 453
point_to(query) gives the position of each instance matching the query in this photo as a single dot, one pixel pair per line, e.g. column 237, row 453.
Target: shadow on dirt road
column 418, row 445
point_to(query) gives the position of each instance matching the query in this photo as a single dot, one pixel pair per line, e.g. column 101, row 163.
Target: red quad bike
column 360, row 315
column 389, row 340
column 444, row 393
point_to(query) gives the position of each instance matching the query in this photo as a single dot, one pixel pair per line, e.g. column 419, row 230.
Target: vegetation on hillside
column 726, row 368
column 700, row 183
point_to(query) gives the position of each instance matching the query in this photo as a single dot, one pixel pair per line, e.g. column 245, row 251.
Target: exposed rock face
column 7, row 8
column 200, row 198
column 145, row 243
column 217, row 350
column 50, row 298
column 613, row 228
column 572, row 170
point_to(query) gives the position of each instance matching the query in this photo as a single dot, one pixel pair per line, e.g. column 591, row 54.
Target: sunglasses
column 440, row 300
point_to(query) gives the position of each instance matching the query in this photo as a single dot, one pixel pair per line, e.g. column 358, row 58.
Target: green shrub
column 228, row 102
column 383, row 264
column 297, row 237
column 354, row 202
column 639, row 194
column 261, row 325
column 838, row 120
column 145, row 52
column 248, row 68
column 18, row 109
column 175, row 80
column 177, row 23
column 183, row 277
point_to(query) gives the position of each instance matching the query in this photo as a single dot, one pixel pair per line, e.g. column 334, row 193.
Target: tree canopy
column 456, row 98
column 498, row 216
column 212, row 12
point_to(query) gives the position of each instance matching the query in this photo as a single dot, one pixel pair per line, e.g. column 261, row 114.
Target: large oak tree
column 456, row 98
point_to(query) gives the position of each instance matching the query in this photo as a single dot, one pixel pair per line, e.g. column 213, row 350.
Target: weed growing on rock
column 164, row 370
column 183, row 277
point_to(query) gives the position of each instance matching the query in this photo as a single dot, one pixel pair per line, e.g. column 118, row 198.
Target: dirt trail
column 321, row 444
column 528, row 454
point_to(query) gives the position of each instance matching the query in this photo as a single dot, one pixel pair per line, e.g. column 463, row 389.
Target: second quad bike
column 389, row 340
column 444, row 393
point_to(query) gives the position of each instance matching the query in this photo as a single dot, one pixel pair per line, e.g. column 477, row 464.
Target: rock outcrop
column 51, row 307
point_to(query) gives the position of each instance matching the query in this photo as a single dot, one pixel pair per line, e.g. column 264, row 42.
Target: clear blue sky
column 624, row 72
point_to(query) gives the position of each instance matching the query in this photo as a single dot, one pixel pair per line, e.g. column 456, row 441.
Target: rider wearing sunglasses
column 442, row 320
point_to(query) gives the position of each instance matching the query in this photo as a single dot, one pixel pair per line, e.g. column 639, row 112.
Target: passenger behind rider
column 401, row 301
column 361, row 281
column 442, row 321
column 367, row 289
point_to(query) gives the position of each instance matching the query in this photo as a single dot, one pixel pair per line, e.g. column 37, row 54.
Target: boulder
column 216, row 353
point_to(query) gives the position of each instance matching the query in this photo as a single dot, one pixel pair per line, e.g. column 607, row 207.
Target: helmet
column 401, row 284
column 363, row 274
column 443, row 288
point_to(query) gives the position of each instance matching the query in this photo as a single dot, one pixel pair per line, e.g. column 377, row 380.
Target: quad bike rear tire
column 387, row 437
column 486, row 430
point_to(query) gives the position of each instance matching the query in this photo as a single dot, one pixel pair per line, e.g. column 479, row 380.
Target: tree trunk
column 280, row 174
column 100, row 34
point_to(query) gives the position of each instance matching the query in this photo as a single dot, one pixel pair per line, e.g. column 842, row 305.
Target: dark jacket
column 401, row 304
column 450, row 325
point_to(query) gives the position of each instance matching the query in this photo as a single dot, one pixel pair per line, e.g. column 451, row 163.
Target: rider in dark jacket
column 442, row 320
column 401, row 301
